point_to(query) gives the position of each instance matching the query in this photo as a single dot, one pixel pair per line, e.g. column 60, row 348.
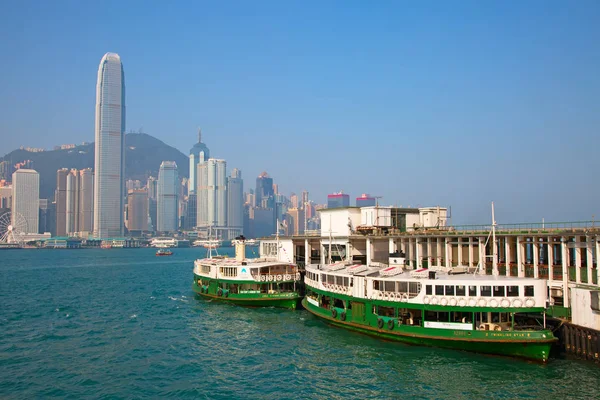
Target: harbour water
column 123, row 323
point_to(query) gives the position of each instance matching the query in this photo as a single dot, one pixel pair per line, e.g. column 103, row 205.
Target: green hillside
column 142, row 159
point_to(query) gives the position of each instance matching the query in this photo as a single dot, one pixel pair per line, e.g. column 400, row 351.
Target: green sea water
column 123, row 323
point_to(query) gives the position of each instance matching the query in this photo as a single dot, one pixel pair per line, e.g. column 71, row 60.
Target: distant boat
column 164, row 252
column 208, row 243
column 247, row 242
column 163, row 242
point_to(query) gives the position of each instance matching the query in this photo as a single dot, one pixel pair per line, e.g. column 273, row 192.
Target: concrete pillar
column 507, row 257
column 577, row 250
column 565, row 270
column 598, row 260
column 589, row 257
column 447, row 252
column 438, row 251
column 481, row 248
column 460, row 252
column 306, row 252
column 470, row 251
column 520, row 257
column 391, row 246
column 550, row 258
column 536, row 257
column 368, row 251
column 429, row 253
column 418, row 253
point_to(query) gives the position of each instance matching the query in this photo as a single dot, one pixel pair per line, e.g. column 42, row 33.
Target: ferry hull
column 528, row 345
column 288, row 300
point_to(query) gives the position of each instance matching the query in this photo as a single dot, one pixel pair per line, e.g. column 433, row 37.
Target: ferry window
column 498, row 291
column 449, row 290
column 460, row 290
column 346, row 281
column 351, row 282
column 206, row 269
column 529, row 291
column 390, row 286
column 512, row 291
column 330, row 279
column 486, row 291
column 439, row 290
column 376, row 285
column 386, row 311
column 472, row 290
column 402, row 287
column 414, row 288
column 428, row 289
column 323, row 278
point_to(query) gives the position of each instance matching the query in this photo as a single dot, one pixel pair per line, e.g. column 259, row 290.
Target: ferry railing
column 526, row 228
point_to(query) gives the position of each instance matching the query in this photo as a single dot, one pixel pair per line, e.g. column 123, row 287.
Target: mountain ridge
column 143, row 156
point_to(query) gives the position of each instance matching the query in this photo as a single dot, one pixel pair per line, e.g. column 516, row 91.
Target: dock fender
column 390, row 324
column 333, row 313
column 343, row 316
column 380, row 323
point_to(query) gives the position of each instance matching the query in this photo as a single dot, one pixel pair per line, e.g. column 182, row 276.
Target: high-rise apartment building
column 6, row 170
column 304, row 199
column 297, row 220
column 26, row 197
column 235, row 203
column 6, row 195
column 60, row 197
column 86, row 201
column 110, row 148
column 198, row 154
column 137, row 210
column 212, row 194
column 167, row 199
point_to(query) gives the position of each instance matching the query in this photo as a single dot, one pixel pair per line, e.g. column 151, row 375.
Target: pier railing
column 535, row 227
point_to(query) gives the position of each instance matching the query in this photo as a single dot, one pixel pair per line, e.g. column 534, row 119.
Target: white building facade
column 110, row 148
column 26, row 198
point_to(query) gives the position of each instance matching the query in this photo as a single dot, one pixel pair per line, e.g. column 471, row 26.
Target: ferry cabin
column 463, row 302
column 227, row 277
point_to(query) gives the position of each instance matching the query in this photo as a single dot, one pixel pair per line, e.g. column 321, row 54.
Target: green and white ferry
column 255, row 282
column 486, row 314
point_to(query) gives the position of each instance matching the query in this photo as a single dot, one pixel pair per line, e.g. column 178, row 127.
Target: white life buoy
column 279, row 277
column 482, row 302
column 472, row 302
column 452, row 301
column 505, row 303
column 263, row 278
column 529, row 302
column 517, row 303
column 444, row 301
column 426, row 300
column 288, row 277
column 462, row 302
column 494, row 303
column 434, row 300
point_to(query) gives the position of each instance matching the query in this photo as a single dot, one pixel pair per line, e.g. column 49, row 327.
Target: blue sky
column 452, row 103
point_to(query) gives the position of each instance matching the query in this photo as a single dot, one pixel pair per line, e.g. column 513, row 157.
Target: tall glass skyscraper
column 110, row 148
column 166, row 210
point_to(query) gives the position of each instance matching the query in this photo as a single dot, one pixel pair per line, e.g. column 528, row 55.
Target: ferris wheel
column 12, row 228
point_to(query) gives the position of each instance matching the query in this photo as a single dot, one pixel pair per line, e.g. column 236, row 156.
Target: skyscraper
column 264, row 196
column 26, row 197
column 212, row 195
column 199, row 153
column 137, row 210
column 60, row 197
column 168, row 187
column 235, row 202
column 110, row 148
column 338, row 200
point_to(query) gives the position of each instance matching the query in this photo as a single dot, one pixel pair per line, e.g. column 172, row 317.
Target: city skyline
column 451, row 105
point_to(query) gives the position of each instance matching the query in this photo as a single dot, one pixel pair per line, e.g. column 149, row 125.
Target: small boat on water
column 164, row 252
column 259, row 282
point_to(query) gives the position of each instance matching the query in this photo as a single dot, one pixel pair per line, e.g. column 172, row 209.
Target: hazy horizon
column 424, row 104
